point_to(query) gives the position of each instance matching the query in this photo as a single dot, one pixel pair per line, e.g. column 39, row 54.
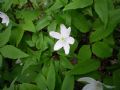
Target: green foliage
column 101, row 8
column 83, row 55
column 68, row 81
column 51, row 77
column 101, row 49
column 27, row 56
column 81, row 67
column 116, row 79
column 26, row 86
column 78, row 4
column 80, row 22
column 0, row 60
column 4, row 37
column 12, row 52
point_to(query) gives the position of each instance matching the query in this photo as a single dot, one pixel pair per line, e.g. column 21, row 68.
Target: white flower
column 5, row 18
column 64, row 39
column 93, row 84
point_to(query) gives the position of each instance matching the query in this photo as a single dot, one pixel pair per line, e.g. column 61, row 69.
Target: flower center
column 63, row 39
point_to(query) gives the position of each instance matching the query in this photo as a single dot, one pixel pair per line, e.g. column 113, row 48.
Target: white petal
column 89, row 87
column 70, row 40
column 59, row 44
column 66, row 48
column 64, row 31
column 87, row 79
column 99, row 85
column 5, row 18
column 55, row 34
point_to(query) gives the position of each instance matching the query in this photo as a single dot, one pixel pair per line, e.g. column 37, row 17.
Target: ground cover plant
column 59, row 45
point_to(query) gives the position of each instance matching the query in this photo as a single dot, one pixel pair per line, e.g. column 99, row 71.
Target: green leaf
column 27, row 86
column 41, row 82
column 4, row 36
column 110, row 4
column 52, row 26
column 12, row 52
column 1, row 61
column 84, row 52
column 101, row 8
column 28, row 62
column 29, row 74
column 12, row 86
column 43, row 23
column 28, row 14
column 101, row 49
column 16, row 35
column 51, row 77
column 114, row 17
column 57, row 5
column 22, row 2
column 78, row 4
column 65, row 63
column 102, row 32
column 116, row 79
column 68, row 83
column 85, row 67
column 7, row 4
column 109, row 40
column 28, row 26
column 80, row 22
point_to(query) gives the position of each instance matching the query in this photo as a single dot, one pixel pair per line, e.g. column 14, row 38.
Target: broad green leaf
column 16, row 35
column 102, row 32
column 1, row 61
column 52, row 26
column 68, row 83
column 41, row 82
column 75, row 4
column 7, row 4
column 12, row 52
column 34, row 38
column 22, row 2
column 116, row 79
column 110, row 4
column 57, row 5
column 43, row 23
column 29, row 74
column 28, row 62
column 84, row 52
column 101, row 49
column 28, row 26
column 27, row 86
column 67, row 18
column 109, row 40
column 4, row 36
column 43, row 42
column 85, row 67
column 101, row 8
column 51, row 77
column 65, row 63
column 40, row 41
column 80, row 22
column 28, row 14
column 115, row 17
